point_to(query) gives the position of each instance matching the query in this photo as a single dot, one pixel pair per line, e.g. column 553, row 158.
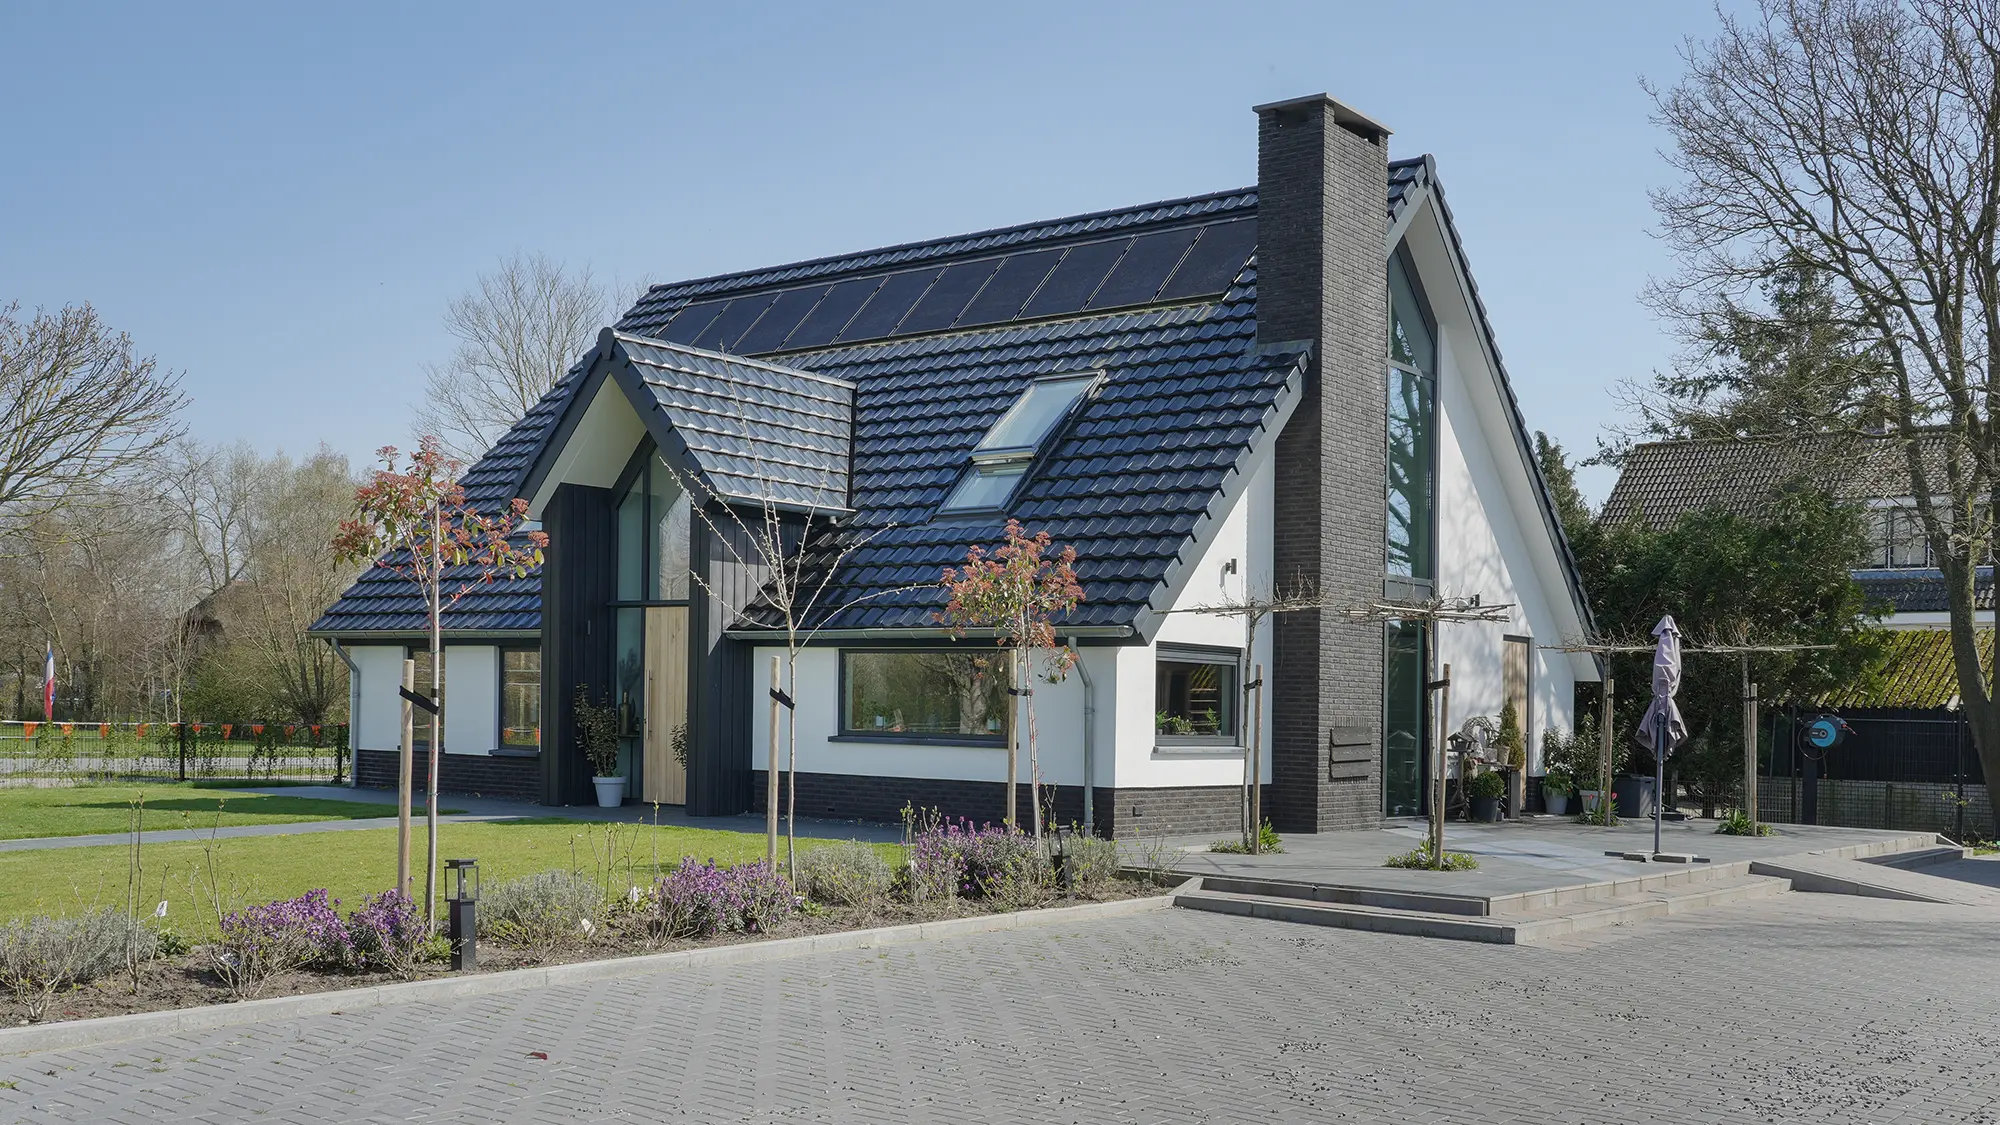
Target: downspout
column 1089, row 743
column 353, row 704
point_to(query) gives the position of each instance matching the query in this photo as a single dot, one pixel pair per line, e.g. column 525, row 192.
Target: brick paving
column 1804, row 1008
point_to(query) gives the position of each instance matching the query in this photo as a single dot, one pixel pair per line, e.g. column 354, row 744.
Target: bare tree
column 81, row 410
column 1860, row 140
column 517, row 333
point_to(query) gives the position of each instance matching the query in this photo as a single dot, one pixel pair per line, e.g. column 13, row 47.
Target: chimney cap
column 1344, row 115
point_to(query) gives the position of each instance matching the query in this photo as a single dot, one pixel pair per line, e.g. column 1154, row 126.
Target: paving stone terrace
column 1804, row 1008
column 1519, row 858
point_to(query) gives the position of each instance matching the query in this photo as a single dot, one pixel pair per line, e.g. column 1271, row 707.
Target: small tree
column 1018, row 592
column 415, row 522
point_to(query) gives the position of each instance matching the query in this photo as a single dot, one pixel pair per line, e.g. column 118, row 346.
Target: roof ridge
column 865, row 259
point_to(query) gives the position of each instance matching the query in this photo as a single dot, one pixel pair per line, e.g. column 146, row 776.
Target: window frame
column 1017, row 460
column 1417, row 585
column 1234, row 658
column 506, row 749
column 844, row 733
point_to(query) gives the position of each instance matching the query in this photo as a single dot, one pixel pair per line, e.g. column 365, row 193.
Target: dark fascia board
column 673, row 448
column 1146, row 623
column 1428, row 186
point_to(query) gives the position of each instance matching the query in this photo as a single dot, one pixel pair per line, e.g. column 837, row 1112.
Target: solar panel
column 833, row 312
column 1075, row 278
column 688, row 323
column 948, row 296
column 1215, row 260
column 1010, row 288
column 889, row 305
column 778, row 321
column 1144, row 268
column 741, row 313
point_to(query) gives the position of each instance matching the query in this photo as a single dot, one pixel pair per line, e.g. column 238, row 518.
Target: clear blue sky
column 280, row 199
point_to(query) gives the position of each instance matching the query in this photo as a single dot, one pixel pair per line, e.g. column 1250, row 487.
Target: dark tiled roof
column 750, row 430
column 382, row 601
column 1662, row 480
column 1920, row 591
column 1141, row 470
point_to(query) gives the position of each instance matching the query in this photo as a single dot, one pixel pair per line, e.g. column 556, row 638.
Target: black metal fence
column 1902, row 769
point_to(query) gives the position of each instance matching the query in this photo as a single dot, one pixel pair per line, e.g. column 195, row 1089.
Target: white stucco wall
column 1492, row 540
column 597, row 452
column 378, row 718
column 471, row 699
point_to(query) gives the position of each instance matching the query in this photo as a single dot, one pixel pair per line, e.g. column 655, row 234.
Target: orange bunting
column 28, row 729
column 67, row 729
column 289, row 728
column 257, row 729
column 315, row 730
column 226, row 727
column 104, row 730
column 141, row 732
column 197, row 728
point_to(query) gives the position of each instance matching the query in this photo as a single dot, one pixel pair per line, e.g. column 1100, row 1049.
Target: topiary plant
column 1488, row 784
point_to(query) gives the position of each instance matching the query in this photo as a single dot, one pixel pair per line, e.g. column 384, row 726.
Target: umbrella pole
column 1659, row 777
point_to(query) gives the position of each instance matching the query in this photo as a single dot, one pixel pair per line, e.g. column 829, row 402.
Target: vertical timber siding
column 1322, row 221
column 578, row 579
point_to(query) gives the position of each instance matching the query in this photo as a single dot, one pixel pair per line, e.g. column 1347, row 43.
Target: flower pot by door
column 1486, row 809
column 610, row 791
column 1558, row 803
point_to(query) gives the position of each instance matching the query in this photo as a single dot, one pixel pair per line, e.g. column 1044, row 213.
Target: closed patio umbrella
column 1661, row 729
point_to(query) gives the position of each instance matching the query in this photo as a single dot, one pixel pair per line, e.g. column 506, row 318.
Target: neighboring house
column 1201, row 396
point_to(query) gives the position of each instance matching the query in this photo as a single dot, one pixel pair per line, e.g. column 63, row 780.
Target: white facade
column 471, row 705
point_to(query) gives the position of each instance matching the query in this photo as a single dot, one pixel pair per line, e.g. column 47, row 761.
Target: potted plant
column 1512, row 744
column 1556, row 788
column 597, row 733
column 1485, row 790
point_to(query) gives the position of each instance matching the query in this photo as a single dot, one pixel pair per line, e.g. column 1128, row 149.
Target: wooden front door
column 664, row 776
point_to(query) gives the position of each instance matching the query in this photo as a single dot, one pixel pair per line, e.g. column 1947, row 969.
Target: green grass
column 87, row 810
column 350, row 864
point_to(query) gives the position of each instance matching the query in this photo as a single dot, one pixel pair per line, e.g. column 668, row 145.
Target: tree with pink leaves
column 414, row 520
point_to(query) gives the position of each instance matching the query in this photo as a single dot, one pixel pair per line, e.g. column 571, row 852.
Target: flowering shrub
column 388, row 932
column 936, row 869
column 759, row 898
column 700, row 898
column 849, row 873
column 262, row 941
column 987, row 861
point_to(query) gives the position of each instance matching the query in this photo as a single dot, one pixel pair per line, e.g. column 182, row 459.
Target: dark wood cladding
column 721, row 679
column 578, row 583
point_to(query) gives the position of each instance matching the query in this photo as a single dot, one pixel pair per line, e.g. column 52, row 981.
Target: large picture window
column 1194, row 696
column 924, row 695
column 521, row 698
column 1412, row 429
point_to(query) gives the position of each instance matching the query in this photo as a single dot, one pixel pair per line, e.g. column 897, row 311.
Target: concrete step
column 1821, row 874
column 1529, row 926
column 1425, row 901
column 1921, row 857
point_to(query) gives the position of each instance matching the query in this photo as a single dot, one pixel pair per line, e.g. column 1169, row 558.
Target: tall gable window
column 1004, row 455
column 1412, row 429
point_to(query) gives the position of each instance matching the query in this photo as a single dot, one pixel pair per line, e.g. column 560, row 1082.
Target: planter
column 1589, row 799
column 1633, row 797
column 1486, row 809
column 610, row 791
column 1557, row 803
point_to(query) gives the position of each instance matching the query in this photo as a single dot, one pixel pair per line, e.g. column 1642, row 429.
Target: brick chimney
column 1322, row 219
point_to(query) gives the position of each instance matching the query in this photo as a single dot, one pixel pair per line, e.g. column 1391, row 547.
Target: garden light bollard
column 463, row 925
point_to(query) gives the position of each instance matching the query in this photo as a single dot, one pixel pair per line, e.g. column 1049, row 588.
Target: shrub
column 760, row 898
column 41, row 956
column 690, row 902
column 991, row 853
column 849, row 873
column 1738, row 823
column 1090, row 864
column 1420, row 859
column 388, row 932
column 259, row 942
column 542, row 914
column 936, row 871
column 1488, row 784
column 1556, row 783
column 1268, row 840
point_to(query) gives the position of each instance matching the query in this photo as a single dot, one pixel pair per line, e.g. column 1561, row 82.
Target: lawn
column 91, row 809
column 350, row 864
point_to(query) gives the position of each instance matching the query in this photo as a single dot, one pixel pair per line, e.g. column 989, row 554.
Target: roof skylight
column 1003, row 456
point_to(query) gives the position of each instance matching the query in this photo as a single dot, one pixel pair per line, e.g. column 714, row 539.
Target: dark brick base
column 1124, row 812
column 474, row 775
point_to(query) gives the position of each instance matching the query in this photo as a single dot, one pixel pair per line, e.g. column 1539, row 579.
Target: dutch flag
column 49, row 685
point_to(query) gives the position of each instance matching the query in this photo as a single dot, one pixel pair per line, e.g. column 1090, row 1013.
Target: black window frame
column 1234, row 658
column 843, row 733
column 504, row 747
